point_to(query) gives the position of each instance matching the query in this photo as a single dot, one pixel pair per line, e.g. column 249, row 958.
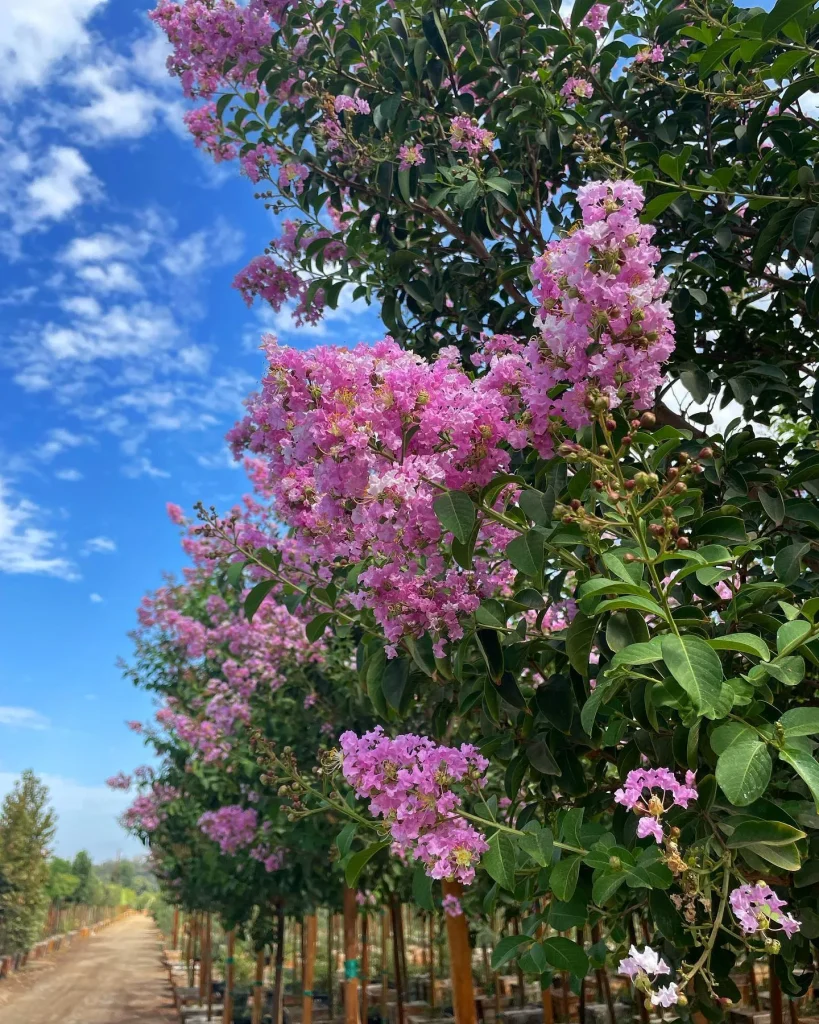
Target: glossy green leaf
column 499, row 860
column 743, row 771
column 696, row 667
column 456, row 514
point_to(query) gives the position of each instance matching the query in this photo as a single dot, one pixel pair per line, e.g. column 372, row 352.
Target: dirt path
column 111, row 978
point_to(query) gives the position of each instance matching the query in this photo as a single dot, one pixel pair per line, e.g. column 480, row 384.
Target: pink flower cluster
column 351, row 103
column 759, row 909
column 410, row 156
column 147, row 811
column 597, row 17
column 119, row 781
column 232, row 827
column 357, row 445
column 208, row 35
column 575, row 89
column 650, row 55
column 465, row 133
column 276, row 285
column 409, row 782
column 604, row 330
column 639, row 794
column 273, row 860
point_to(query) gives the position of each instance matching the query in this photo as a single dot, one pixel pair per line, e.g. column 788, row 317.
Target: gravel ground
column 114, row 977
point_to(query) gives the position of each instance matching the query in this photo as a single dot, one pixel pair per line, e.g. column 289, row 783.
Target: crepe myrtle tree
column 423, row 154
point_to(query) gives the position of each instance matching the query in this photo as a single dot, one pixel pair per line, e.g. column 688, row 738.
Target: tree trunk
column 775, row 990
column 395, row 913
column 432, row 960
column 365, row 966
column 310, row 936
column 603, row 979
column 350, row 957
column 385, row 980
column 460, row 961
column 175, row 932
column 278, row 976
column 331, row 974
column 258, row 982
column 227, row 1015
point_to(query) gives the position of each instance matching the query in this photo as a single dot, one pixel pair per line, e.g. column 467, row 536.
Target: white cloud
column 87, row 816
column 143, row 467
column 112, row 277
column 64, row 186
column 99, row 546
column 23, row 718
column 94, row 599
column 26, row 548
column 118, row 332
column 187, row 257
column 36, row 35
column 96, row 249
column 118, row 108
column 59, row 439
column 69, row 475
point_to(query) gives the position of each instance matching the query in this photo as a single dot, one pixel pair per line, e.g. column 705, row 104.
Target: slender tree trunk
column 754, row 989
column 365, row 966
column 190, row 945
column 395, row 912
column 278, row 976
column 432, row 960
column 460, row 961
column 546, row 1004
column 258, row 983
column 385, row 979
column 175, row 932
column 310, row 935
column 775, row 990
column 227, row 1016
column 209, row 978
column 603, row 980
column 331, row 973
column 350, row 957
column 521, row 981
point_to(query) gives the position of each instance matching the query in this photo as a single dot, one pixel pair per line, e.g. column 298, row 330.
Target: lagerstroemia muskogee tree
column 587, row 628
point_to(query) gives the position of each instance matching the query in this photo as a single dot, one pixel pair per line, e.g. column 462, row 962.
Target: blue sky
column 125, row 356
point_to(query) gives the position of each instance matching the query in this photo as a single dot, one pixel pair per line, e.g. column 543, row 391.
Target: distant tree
column 89, row 887
column 27, row 827
column 62, row 882
column 124, row 874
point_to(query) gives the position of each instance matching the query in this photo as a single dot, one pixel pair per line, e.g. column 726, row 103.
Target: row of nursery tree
column 42, row 895
column 500, row 627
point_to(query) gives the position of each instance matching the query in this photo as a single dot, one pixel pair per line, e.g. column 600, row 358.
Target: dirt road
column 111, row 978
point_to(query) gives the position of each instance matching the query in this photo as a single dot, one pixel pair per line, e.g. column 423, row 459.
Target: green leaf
column 394, row 682
column 538, row 506
column 579, row 639
column 640, row 654
column 790, row 635
column 659, row 204
column 789, row 671
column 771, row 833
column 606, row 884
column 254, row 599
column 696, row 667
column 540, row 756
column 565, row 955
column 782, row 13
column 344, row 839
column 745, row 643
column 786, row 856
column 507, row 949
column 537, row 843
column 315, row 627
column 456, row 514
column 770, row 233
column 773, row 504
column 356, row 864
column 743, row 771
column 730, row 528
column 526, row 553
column 235, row 575
column 422, row 889
column 715, row 53
column 564, row 876
column 641, row 604
column 800, row 722
column 697, row 383
column 806, row 767
column 499, row 860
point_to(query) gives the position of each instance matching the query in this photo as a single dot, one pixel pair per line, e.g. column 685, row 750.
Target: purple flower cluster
column 644, row 969
column 759, row 909
column 452, row 905
column 232, row 827
column 408, row 781
column 464, row 133
column 639, row 793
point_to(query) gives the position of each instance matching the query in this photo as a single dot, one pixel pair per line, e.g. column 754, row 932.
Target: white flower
column 649, row 961
column 666, row 995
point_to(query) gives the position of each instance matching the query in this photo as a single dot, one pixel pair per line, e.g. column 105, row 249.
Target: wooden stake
column 227, row 1015
column 175, row 933
column 432, row 960
column 310, row 936
column 385, row 981
column 754, row 989
column 209, row 977
column 460, row 961
column 395, row 915
column 278, row 977
column 775, row 990
column 365, row 966
column 547, row 1006
column 331, row 967
column 350, row 957
column 258, row 981
column 189, row 953
column 603, row 979
column 521, row 981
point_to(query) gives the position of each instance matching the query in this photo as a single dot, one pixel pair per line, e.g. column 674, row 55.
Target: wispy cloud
column 25, row 547
column 95, row 598
column 99, row 546
column 23, row 718
column 69, row 475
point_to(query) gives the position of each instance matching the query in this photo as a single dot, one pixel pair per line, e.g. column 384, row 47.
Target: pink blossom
column 639, row 794
column 465, row 133
column 232, row 827
column 119, row 781
column 294, row 174
column 597, row 17
column 759, row 909
column 577, row 88
column 452, row 905
column 410, row 156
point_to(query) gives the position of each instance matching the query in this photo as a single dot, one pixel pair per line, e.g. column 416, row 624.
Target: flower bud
column 705, row 453
column 683, row 543
column 611, row 424
column 630, row 485
column 648, row 419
